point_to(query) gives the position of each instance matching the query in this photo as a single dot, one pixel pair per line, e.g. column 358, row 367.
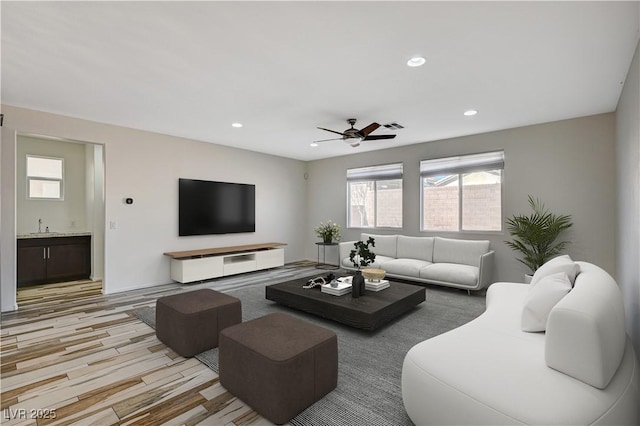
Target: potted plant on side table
column 534, row 235
column 361, row 256
column 328, row 232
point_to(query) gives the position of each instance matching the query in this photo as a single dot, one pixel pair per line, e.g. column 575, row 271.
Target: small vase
column 327, row 240
column 357, row 285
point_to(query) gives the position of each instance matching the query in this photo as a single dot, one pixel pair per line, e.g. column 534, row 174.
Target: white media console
column 197, row 265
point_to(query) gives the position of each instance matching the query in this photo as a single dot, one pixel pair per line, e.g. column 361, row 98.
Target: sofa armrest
column 345, row 248
column 485, row 273
column 586, row 332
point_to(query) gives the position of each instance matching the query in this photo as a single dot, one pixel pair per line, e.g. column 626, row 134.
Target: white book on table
column 376, row 288
column 375, row 284
column 339, row 290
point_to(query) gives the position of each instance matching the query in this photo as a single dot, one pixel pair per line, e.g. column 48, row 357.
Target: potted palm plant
column 361, row 256
column 535, row 235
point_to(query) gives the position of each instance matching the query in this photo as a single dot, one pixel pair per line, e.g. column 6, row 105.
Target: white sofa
column 581, row 371
column 466, row 264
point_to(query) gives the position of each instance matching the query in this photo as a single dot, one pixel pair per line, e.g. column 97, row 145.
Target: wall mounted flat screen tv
column 207, row 207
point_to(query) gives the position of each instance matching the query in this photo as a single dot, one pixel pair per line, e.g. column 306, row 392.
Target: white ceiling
column 190, row 69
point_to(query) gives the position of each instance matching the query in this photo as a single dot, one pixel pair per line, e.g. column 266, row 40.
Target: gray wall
column 59, row 215
column 628, row 185
column 569, row 165
column 146, row 166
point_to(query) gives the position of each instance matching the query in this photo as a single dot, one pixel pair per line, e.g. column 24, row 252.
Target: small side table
column 324, row 264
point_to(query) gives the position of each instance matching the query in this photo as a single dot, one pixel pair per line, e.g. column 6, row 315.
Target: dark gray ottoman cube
column 277, row 364
column 190, row 323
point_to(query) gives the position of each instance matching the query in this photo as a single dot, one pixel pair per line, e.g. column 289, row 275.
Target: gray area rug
column 370, row 364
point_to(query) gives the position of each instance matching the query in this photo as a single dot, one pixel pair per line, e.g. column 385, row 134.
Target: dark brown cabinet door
column 32, row 265
column 68, row 262
column 52, row 260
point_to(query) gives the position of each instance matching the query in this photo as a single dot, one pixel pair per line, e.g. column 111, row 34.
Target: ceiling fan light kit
column 361, row 135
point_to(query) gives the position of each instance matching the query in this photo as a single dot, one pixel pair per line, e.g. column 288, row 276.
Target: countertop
column 51, row 235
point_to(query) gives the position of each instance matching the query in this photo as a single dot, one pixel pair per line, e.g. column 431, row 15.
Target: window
column 375, row 197
column 44, row 178
column 462, row 193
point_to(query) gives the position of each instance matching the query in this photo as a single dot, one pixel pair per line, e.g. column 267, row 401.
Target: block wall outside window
column 440, row 212
column 44, row 178
column 375, row 197
column 482, row 207
column 462, row 193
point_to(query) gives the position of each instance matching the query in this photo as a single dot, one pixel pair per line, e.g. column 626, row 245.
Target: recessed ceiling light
column 236, row 125
column 470, row 112
column 416, row 61
column 313, row 144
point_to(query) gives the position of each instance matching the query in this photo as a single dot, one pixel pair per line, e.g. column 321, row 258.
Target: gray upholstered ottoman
column 277, row 364
column 190, row 323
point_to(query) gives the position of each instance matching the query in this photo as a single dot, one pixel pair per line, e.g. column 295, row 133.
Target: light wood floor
column 71, row 353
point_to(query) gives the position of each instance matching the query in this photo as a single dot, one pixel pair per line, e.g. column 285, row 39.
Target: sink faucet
column 39, row 226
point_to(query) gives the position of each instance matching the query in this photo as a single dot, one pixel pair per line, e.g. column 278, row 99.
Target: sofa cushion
column 420, row 248
column 385, row 245
column 465, row 252
column 451, row 273
column 555, row 265
column 380, row 262
column 542, row 297
column 405, row 267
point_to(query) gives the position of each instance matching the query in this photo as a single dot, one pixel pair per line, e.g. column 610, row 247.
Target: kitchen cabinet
column 53, row 259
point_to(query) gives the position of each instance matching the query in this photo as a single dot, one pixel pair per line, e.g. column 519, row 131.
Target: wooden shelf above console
column 221, row 250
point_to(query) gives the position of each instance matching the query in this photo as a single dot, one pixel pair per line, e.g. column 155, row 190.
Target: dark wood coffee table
column 368, row 312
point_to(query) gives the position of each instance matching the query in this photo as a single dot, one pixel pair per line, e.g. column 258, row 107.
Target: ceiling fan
column 354, row 136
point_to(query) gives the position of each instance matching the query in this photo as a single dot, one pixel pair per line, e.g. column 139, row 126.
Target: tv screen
column 207, row 207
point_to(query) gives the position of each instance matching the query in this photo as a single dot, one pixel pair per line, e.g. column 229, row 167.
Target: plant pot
column 327, row 240
column 357, row 285
column 527, row 278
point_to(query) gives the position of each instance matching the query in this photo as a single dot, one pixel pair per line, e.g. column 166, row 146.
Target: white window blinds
column 383, row 172
column 463, row 163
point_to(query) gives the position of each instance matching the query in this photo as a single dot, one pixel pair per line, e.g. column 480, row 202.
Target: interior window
column 45, row 178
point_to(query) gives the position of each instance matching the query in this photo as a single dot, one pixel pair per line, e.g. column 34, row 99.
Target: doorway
column 77, row 208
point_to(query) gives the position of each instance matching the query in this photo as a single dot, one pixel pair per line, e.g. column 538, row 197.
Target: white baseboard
column 10, row 308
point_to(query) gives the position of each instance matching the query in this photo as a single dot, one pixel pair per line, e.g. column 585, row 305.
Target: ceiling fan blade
column 378, row 137
column 332, row 131
column 326, row 140
column 370, row 128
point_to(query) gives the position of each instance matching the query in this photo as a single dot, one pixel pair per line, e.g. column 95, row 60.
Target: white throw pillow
column 555, row 265
column 541, row 300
